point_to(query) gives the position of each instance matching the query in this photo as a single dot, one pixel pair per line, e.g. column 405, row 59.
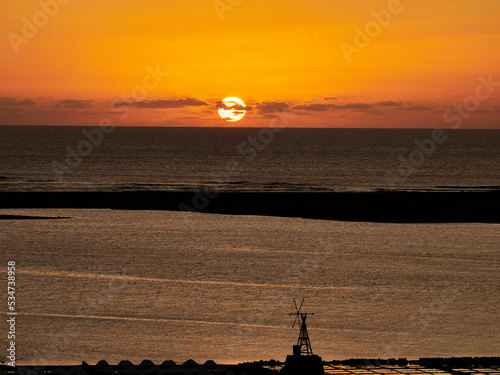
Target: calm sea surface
column 294, row 160
column 162, row 285
column 166, row 285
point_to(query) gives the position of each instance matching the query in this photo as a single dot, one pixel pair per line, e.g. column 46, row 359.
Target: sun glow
column 231, row 109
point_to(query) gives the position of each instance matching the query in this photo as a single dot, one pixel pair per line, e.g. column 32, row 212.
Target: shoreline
column 382, row 207
column 26, row 217
column 370, row 366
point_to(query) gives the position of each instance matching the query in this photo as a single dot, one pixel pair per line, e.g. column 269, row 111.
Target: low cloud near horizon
column 323, row 112
column 74, row 104
column 389, row 103
column 169, row 103
column 318, row 107
column 12, row 101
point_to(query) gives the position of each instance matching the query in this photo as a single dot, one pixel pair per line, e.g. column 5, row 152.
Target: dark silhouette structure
column 302, row 361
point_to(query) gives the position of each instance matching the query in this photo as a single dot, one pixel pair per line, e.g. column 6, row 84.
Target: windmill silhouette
column 303, row 343
column 302, row 361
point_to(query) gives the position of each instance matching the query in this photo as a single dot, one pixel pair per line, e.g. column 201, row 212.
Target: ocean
column 120, row 284
column 50, row 159
column 113, row 285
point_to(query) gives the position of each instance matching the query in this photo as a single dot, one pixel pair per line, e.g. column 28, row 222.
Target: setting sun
column 231, row 109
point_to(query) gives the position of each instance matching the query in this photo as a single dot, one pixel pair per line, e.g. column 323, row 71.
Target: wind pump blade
column 296, row 315
column 303, row 299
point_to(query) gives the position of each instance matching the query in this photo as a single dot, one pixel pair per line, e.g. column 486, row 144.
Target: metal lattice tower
column 303, row 342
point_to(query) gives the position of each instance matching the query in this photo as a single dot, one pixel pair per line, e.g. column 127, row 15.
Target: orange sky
column 274, row 54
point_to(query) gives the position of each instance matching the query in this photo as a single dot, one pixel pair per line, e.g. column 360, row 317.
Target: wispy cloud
column 318, row 107
column 74, row 104
column 12, row 101
column 419, row 108
column 176, row 103
column 271, row 107
column 221, row 105
column 389, row 103
column 353, row 106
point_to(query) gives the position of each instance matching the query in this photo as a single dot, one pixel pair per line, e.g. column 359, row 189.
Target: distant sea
column 173, row 159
